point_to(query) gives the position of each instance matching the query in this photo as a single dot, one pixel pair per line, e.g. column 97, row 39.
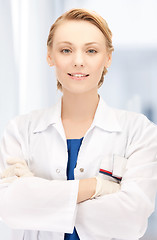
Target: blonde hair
column 84, row 15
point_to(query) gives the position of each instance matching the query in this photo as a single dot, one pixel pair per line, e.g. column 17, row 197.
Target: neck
column 79, row 107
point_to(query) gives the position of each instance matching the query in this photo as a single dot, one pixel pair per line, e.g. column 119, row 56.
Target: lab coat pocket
column 119, row 166
column 112, row 167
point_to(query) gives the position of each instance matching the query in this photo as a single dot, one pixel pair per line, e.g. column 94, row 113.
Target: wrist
column 93, row 186
column 87, row 188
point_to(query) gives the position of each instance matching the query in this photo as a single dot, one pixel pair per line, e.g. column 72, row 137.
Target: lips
column 77, row 75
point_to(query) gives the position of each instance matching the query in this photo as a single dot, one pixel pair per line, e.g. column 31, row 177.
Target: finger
column 23, row 172
column 20, row 165
column 19, row 172
column 8, row 172
column 16, row 160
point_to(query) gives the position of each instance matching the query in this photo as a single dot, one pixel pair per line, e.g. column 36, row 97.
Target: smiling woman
column 89, row 170
column 81, row 30
column 78, row 56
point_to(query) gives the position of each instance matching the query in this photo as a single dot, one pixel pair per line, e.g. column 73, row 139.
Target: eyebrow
column 86, row 44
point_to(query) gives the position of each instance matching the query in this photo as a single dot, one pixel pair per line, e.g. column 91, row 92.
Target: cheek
column 99, row 65
column 98, row 61
column 61, row 68
column 58, row 62
column 61, row 65
column 57, row 59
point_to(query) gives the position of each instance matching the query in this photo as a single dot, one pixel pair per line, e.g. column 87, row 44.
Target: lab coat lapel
column 105, row 118
column 51, row 116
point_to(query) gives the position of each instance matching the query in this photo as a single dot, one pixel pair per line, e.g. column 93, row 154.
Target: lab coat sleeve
column 124, row 215
column 31, row 202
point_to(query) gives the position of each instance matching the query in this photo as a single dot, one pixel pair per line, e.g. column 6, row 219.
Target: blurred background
column 27, row 82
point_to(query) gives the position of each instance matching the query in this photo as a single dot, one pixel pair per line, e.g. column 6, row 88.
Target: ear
column 49, row 58
column 109, row 60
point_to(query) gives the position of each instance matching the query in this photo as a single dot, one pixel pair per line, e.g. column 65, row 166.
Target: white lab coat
column 45, row 206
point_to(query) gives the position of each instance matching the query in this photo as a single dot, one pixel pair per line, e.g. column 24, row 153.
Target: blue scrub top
column 73, row 149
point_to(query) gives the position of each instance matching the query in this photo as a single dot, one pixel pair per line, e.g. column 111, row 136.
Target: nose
column 78, row 60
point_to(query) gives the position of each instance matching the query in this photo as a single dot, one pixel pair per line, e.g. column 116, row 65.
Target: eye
column 66, row 50
column 92, row 51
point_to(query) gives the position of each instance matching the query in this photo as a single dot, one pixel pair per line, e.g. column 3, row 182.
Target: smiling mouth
column 78, row 75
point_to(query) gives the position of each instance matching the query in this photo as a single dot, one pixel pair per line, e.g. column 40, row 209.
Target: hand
column 86, row 189
column 104, row 187
column 18, row 168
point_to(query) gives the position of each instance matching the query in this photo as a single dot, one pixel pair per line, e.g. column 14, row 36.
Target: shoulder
column 127, row 117
column 31, row 120
column 125, row 120
column 136, row 125
column 31, row 116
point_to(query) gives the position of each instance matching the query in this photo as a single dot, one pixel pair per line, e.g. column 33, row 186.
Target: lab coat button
column 57, row 170
column 81, row 169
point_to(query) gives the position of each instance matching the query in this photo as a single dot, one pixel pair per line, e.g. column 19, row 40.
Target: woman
column 107, row 155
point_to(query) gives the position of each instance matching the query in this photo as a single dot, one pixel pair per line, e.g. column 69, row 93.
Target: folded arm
column 124, row 214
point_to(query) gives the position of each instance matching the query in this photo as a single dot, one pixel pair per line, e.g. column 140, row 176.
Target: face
column 79, row 56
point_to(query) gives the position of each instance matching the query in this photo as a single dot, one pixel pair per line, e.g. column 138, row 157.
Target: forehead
column 73, row 31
